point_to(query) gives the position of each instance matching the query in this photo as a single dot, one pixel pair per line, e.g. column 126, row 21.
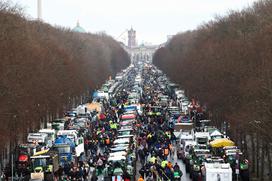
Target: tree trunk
column 253, row 156
column 269, row 160
column 45, row 122
column 245, row 145
column 262, row 159
column 257, row 155
column 241, row 136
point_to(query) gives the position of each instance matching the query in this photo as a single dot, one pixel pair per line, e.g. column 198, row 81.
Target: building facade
column 131, row 38
column 139, row 53
column 142, row 52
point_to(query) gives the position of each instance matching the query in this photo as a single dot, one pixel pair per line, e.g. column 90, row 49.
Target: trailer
column 186, row 127
column 217, row 171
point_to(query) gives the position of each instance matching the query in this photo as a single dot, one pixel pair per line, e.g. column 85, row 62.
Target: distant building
column 143, row 52
column 78, row 29
column 131, row 38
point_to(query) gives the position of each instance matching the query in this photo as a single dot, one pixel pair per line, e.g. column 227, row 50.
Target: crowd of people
column 153, row 140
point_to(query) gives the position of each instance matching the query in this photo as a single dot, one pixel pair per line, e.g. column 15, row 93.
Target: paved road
column 174, row 160
column 185, row 176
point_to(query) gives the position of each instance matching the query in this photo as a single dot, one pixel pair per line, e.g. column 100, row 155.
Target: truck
column 51, row 135
column 74, row 136
column 100, row 94
column 217, row 171
column 45, row 164
column 202, row 137
column 22, row 161
column 38, row 138
column 65, row 148
column 183, row 148
column 58, row 124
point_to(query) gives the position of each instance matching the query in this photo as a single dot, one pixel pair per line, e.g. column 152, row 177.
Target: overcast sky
column 152, row 19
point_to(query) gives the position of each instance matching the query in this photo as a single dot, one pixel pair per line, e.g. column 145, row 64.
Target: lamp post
column 237, row 171
column 12, row 152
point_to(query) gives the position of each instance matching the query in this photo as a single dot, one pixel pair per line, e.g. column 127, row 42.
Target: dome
column 78, row 29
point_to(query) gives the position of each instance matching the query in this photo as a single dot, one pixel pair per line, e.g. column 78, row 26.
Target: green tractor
column 197, row 162
column 45, row 165
column 231, row 155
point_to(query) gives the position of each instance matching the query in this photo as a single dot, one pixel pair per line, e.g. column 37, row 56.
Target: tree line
column 227, row 65
column 45, row 70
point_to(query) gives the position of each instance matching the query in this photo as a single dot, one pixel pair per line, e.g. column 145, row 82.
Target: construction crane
column 123, row 38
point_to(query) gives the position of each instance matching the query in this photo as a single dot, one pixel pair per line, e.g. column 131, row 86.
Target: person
column 169, row 173
column 85, row 172
column 140, row 178
column 100, row 166
column 169, row 164
column 94, row 177
column 172, row 150
column 60, row 172
column 73, row 174
column 141, row 154
column 177, row 171
column 126, row 176
column 107, row 141
column 143, row 171
column 79, row 173
column 2, row 175
column 149, row 177
column 165, row 152
column 176, row 167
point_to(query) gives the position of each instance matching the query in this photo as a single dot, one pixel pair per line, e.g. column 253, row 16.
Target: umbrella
column 219, row 143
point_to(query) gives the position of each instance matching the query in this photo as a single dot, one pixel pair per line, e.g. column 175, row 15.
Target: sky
column 153, row 20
